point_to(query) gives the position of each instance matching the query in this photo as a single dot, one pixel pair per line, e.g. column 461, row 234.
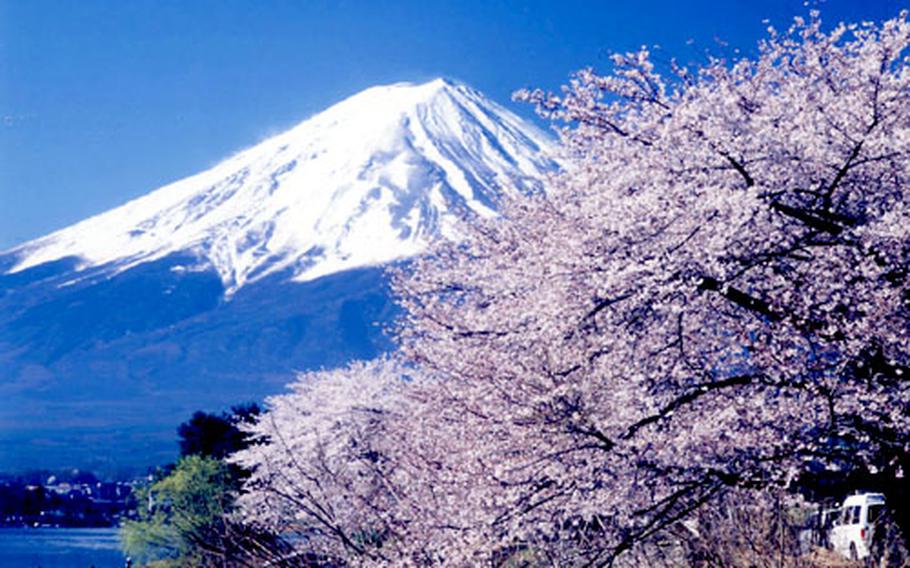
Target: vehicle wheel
column 853, row 554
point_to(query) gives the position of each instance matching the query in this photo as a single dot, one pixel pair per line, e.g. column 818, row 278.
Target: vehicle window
column 875, row 511
column 854, row 515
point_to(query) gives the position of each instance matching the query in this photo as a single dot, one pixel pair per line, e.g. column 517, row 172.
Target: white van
column 851, row 534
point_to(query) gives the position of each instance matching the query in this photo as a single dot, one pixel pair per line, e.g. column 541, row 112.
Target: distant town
column 68, row 499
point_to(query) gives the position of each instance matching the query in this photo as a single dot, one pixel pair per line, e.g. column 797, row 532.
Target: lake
column 60, row 548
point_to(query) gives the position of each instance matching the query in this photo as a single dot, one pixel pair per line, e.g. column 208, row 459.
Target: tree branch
column 740, row 298
column 699, row 391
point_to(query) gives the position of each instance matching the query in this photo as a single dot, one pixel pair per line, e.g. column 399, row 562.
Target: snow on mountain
column 369, row 180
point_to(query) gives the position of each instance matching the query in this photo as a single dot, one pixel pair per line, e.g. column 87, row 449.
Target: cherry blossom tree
column 320, row 460
column 713, row 295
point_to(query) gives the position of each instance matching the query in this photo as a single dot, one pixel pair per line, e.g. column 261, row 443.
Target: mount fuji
column 213, row 290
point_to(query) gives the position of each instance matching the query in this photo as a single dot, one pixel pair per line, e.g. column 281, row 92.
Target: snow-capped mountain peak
column 372, row 179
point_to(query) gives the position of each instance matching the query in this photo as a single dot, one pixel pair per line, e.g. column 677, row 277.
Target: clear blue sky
column 102, row 101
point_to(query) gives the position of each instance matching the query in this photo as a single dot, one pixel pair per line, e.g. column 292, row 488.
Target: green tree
column 183, row 517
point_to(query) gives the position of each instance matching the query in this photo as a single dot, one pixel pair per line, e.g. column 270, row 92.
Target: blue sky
column 102, row 101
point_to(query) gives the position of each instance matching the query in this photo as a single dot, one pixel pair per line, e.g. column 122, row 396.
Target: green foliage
column 182, row 518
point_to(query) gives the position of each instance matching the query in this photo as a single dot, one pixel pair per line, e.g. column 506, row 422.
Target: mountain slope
column 213, row 290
